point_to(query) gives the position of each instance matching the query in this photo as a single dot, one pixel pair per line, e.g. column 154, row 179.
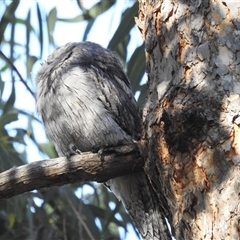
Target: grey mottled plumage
column 86, row 103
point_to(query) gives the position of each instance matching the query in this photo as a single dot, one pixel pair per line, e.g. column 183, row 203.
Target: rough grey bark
column 86, row 104
column 192, row 113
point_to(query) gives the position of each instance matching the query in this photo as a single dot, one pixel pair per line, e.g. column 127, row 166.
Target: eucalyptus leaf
column 126, row 24
column 40, row 36
column 7, row 17
column 51, row 22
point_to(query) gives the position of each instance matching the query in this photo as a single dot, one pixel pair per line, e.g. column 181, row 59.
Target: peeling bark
column 192, row 113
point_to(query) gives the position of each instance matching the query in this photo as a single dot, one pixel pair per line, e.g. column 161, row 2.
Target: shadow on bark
column 189, row 78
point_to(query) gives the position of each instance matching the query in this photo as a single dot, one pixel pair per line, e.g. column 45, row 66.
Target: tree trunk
column 192, row 113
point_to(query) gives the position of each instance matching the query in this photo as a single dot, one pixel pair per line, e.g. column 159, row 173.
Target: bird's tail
column 142, row 204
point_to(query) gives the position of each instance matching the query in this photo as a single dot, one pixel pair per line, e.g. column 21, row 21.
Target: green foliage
column 55, row 213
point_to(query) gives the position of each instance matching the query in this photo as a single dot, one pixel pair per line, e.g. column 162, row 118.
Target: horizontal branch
column 88, row 166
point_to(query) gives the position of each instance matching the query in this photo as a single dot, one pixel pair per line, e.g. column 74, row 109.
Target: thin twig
column 15, row 69
column 64, row 229
column 79, row 217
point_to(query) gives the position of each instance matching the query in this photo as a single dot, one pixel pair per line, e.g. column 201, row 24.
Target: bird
column 84, row 98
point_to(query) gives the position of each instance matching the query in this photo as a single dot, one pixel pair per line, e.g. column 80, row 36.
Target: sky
column 101, row 33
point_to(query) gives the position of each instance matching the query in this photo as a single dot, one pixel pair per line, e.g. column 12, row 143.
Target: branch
column 78, row 215
column 17, row 72
column 113, row 162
